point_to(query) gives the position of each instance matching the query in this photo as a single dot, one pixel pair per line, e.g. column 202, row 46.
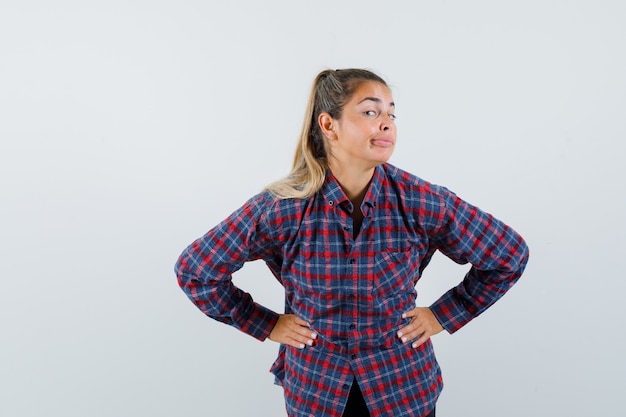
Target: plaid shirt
column 353, row 291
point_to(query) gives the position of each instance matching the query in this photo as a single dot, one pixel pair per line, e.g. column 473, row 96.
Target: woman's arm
column 497, row 253
column 498, row 256
column 205, row 269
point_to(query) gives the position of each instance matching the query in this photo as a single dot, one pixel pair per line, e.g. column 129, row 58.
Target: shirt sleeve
column 205, row 269
column 497, row 253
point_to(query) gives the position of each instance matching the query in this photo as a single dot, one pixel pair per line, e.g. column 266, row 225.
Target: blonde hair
column 331, row 90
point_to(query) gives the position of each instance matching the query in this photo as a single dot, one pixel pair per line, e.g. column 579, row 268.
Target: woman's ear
column 327, row 125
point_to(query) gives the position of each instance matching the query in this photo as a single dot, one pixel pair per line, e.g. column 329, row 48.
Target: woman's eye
column 392, row 116
column 370, row 113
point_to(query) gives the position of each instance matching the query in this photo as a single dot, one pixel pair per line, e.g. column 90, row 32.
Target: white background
column 129, row 128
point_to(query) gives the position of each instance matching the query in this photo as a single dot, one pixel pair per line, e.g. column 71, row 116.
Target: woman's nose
column 386, row 123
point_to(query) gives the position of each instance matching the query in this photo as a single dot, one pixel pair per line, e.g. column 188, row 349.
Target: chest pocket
column 394, row 272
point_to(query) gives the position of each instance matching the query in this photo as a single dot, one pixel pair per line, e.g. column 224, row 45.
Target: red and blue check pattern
column 353, row 291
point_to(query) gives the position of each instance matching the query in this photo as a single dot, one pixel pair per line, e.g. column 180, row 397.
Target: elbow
column 521, row 260
column 184, row 275
column 522, row 254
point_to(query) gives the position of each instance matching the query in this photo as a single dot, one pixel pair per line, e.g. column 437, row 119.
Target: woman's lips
column 384, row 142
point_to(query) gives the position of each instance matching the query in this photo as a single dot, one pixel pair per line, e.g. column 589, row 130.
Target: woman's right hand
column 292, row 331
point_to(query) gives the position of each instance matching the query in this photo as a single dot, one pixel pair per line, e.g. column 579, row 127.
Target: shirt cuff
column 260, row 322
column 450, row 312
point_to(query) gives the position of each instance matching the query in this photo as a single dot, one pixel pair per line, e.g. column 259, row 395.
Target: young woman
column 348, row 236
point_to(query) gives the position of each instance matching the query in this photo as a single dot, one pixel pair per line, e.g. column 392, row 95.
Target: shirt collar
column 334, row 195
column 332, row 192
column 371, row 196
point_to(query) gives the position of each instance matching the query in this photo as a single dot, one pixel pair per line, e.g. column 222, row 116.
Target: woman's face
column 365, row 134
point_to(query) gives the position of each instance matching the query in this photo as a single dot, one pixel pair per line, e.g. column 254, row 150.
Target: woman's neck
column 353, row 181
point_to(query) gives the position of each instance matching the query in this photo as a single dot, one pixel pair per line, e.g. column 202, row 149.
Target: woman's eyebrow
column 376, row 100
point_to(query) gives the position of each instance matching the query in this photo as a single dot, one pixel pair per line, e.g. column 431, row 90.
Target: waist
column 350, row 337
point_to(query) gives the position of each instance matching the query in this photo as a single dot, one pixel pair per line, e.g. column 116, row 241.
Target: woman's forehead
column 372, row 91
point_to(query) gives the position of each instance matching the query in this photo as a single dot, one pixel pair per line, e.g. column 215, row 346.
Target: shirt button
column 352, row 326
column 346, row 386
column 353, row 356
column 352, row 261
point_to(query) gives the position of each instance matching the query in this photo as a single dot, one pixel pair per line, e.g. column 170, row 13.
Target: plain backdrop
column 130, row 128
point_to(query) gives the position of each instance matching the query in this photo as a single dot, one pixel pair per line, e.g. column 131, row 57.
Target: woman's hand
column 423, row 325
column 292, row 331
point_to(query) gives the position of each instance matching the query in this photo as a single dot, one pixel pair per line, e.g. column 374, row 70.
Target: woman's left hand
column 423, row 325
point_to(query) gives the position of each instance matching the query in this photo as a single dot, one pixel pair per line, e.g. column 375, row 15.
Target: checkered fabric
column 353, row 291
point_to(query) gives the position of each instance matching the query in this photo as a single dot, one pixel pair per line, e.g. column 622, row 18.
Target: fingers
column 292, row 331
column 300, row 322
column 422, row 326
column 424, row 337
